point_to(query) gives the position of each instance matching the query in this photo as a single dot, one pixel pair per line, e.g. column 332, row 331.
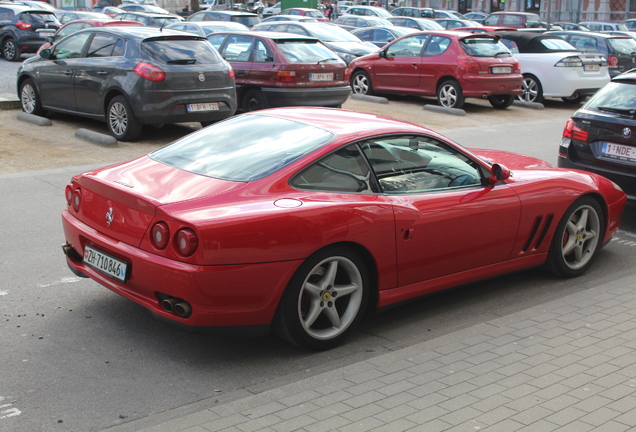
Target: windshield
column 484, row 47
column 331, row 33
column 249, row 21
column 302, row 51
column 623, row 46
column 615, row 95
column 244, row 148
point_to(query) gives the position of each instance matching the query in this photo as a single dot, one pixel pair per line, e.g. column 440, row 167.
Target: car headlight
column 348, row 58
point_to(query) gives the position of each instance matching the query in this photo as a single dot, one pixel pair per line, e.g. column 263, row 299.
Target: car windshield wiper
column 182, row 61
column 503, row 54
column 625, row 111
column 326, row 60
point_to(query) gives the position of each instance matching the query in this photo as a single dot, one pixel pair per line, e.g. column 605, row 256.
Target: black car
column 245, row 18
column 340, row 41
column 601, row 136
column 618, row 50
column 148, row 19
column 24, row 29
column 129, row 76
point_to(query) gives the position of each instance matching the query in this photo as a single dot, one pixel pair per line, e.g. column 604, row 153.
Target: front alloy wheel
column 361, row 84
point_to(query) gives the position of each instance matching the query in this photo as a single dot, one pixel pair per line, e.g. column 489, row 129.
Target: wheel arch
column 445, row 78
column 109, row 96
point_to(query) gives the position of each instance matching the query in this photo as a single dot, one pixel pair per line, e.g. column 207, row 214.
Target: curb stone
column 531, row 105
column 367, row 98
column 36, row 120
column 444, row 110
column 9, row 101
column 96, row 138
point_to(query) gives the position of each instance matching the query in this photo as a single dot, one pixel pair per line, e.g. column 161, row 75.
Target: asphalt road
column 77, row 357
column 8, row 73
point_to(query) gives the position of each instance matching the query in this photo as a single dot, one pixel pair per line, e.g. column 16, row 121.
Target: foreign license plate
column 501, row 69
column 105, row 263
column 45, row 33
column 591, row 68
column 617, row 151
column 210, row 106
column 321, row 77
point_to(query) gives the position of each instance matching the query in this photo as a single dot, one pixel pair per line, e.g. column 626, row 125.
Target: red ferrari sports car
column 301, row 220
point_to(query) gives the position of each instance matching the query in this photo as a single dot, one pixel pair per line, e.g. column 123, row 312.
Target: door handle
column 414, row 65
column 241, row 73
column 408, row 234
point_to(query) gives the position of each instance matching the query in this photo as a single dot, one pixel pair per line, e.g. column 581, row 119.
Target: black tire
column 577, row 239
column 576, row 98
column 531, row 89
column 11, row 51
column 501, row 101
column 361, row 83
column 330, row 289
column 121, row 120
column 30, row 98
column 254, row 100
column 449, row 94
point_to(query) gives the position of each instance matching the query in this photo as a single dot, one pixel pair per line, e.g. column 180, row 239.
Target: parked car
column 129, row 76
column 618, row 50
column 513, row 19
column 65, row 16
column 23, row 29
column 368, row 11
column 215, row 5
column 340, row 41
column 288, row 18
column 285, row 220
column 601, row 136
column 452, row 23
column 37, row 5
column 245, row 18
column 272, row 10
column 305, row 12
column 413, row 12
column 283, row 69
column 630, row 24
column 143, row 8
column 485, row 29
column 571, row 26
column 447, row 64
column 80, row 24
column 255, row 7
column 204, row 28
column 476, row 16
column 381, row 36
column 597, row 26
column 149, row 19
column 551, row 67
column 448, row 14
column 111, row 11
column 416, row 23
column 351, row 22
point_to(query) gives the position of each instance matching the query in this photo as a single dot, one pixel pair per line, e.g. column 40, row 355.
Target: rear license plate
column 321, row 77
column 45, row 33
column 105, row 263
column 617, row 151
column 591, row 68
column 501, row 69
column 211, row 106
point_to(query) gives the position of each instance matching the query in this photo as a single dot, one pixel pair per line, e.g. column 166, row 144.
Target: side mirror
column 391, row 39
column 498, row 173
column 45, row 53
column 382, row 54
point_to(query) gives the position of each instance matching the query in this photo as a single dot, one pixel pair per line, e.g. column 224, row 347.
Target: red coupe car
column 303, row 219
column 451, row 65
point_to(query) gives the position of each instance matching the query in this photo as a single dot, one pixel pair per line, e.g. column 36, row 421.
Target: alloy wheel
column 580, row 237
column 118, row 118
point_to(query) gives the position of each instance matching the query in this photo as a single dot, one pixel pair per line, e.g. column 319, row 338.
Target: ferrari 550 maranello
column 301, row 220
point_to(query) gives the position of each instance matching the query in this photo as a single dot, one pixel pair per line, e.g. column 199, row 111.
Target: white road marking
column 4, row 293
column 9, row 412
column 64, row 280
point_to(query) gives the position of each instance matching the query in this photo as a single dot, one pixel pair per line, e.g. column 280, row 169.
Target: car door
column 448, row 219
column 263, row 68
column 238, row 51
column 432, row 62
column 57, row 73
column 95, row 71
column 399, row 69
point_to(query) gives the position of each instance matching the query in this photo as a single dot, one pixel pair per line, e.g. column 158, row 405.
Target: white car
column 551, row 67
column 273, row 10
column 368, row 11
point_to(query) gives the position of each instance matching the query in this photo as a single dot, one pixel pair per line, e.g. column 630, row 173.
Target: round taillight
column 186, row 242
column 160, row 235
column 76, row 199
column 613, row 61
column 68, row 193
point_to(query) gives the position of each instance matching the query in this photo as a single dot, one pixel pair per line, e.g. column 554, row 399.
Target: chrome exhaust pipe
column 183, row 309
column 169, row 304
column 485, row 96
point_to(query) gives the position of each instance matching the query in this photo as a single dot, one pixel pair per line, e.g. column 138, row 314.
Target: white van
column 215, row 5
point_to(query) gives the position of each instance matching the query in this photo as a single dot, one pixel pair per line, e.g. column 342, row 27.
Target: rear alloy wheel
column 577, row 239
column 325, row 299
column 11, row 51
column 501, row 101
column 531, row 90
column 576, row 98
column 449, row 95
column 254, row 100
column 121, row 120
column 30, row 98
column 361, row 83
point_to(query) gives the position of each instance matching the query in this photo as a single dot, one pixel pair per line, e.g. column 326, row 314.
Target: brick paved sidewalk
column 566, row 365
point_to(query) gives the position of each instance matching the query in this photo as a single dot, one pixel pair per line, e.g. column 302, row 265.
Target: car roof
column 530, row 40
column 275, row 36
column 629, row 75
column 513, row 13
column 233, row 13
column 24, row 8
column 141, row 32
column 148, row 14
column 588, row 34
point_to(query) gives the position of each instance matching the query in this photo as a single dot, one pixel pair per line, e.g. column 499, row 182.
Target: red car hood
column 132, row 191
column 512, row 160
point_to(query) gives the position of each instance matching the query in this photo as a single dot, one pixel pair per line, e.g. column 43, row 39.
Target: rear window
column 39, row 18
column 484, row 47
column 244, row 148
column 619, row 96
column 329, row 33
column 249, row 21
column 167, row 20
column 181, row 51
column 557, row 45
column 623, row 46
column 300, row 51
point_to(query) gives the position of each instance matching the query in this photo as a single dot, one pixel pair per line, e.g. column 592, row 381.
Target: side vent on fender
column 535, row 228
column 546, row 227
column 542, row 234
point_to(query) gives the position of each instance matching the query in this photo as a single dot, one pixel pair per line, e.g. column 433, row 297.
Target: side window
column 70, row 48
column 67, row 30
column 178, row 27
column 412, row 24
column 102, row 45
column 437, row 45
column 342, row 171
column 238, row 48
column 416, row 164
column 364, row 34
column 217, row 41
column 6, row 14
column 399, row 22
column 511, row 20
column 407, row 47
column 197, row 17
column 262, row 53
column 279, row 28
column 491, row 20
column 120, row 48
column 511, row 45
column 381, row 35
column 297, row 30
column 294, row 12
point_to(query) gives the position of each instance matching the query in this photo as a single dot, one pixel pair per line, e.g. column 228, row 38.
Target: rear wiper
column 326, row 60
column 503, row 54
column 625, row 111
column 182, row 61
